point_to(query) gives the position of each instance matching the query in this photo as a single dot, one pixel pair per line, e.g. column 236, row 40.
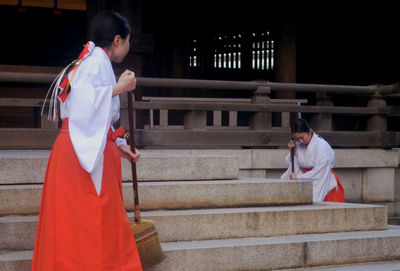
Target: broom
column 144, row 230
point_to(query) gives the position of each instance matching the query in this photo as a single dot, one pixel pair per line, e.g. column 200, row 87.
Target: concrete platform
column 29, row 166
column 266, row 253
column 18, row 232
column 25, row 199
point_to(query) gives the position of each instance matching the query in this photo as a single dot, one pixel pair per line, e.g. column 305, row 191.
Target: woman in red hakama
column 313, row 160
column 83, row 223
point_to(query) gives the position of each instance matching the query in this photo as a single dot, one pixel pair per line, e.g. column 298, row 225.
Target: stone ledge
column 264, row 253
column 275, row 158
column 372, row 266
column 30, row 167
column 18, row 232
column 25, row 199
column 345, row 158
column 282, row 252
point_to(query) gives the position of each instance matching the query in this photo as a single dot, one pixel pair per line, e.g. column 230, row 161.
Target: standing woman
column 83, row 224
column 313, row 160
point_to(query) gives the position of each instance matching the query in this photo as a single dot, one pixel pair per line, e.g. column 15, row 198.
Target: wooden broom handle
column 133, row 164
column 292, row 151
column 292, row 158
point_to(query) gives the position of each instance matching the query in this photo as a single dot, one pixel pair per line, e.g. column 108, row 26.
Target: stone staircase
column 210, row 219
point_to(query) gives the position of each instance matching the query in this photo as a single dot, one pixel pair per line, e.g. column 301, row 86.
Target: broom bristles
column 147, row 243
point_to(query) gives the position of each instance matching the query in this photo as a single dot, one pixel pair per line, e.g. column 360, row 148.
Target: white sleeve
column 120, row 141
column 319, row 174
column 286, row 174
column 297, row 170
column 90, row 114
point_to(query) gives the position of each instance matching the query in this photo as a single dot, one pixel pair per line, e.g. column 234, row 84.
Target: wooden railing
column 198, row 129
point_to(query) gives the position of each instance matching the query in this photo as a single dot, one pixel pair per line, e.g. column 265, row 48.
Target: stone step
column 18, row 232
column 374, row 266
column 25, row 199
column 29, row 166
column 263, row 253
column 394, row 220
column 16, row 260
column 275, row 253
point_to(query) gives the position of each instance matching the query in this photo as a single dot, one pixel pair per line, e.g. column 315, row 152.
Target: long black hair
column 105, row 26
column 300, row 126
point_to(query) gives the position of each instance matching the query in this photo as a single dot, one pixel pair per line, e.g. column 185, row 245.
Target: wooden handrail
column 209, row 106
column 217, row 84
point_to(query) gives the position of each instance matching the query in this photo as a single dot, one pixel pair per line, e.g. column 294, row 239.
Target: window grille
column 262, row 51
column 194, row 54
column 230, row 51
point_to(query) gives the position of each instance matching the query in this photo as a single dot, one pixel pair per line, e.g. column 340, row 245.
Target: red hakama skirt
column 335, row 195
column 79, row 230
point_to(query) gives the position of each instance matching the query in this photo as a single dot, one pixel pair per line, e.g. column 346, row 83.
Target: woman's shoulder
column 323, row 144
column 96, row 68
column 96, row 62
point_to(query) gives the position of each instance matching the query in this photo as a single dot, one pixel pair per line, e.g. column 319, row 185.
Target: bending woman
column 83, row 224
column 313, row 160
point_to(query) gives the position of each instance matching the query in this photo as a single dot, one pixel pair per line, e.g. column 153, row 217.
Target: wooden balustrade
column 194, row 131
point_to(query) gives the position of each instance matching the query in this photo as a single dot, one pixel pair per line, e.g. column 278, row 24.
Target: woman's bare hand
column 291, row 144
column 127, row 153
column 126, row 83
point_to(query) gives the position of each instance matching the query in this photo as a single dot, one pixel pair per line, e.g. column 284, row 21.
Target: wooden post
column 217, row 121
column 377, row 122
column 261, row 120
column 322, row 122
column 164, row 119
column 232, row 119
column 195, row 120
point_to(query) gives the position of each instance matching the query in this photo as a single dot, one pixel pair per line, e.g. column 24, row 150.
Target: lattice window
column 228, row 51
column 195, row 54
column 248, row 50
column 262, row 51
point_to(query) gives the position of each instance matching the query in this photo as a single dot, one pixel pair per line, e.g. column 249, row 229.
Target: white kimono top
column 91, row 110
column 319, row 158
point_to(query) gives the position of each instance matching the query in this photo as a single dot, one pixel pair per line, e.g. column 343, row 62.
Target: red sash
column 111, row 135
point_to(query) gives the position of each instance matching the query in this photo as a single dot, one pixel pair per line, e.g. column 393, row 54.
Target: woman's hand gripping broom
column 145, row 232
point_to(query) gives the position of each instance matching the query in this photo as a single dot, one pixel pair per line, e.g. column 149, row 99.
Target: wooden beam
column 167, row 105
column 27, row 138
column 229, row 138
column 198, row 106
column 44, row 138
column 21, row 102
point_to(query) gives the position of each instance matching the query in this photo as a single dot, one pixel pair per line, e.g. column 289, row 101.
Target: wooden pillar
column 246, row 57
column 286, row 51
column 261, row 120
column 285, row 61
column 195, row 120
column 322, row 122
column 377, row 122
